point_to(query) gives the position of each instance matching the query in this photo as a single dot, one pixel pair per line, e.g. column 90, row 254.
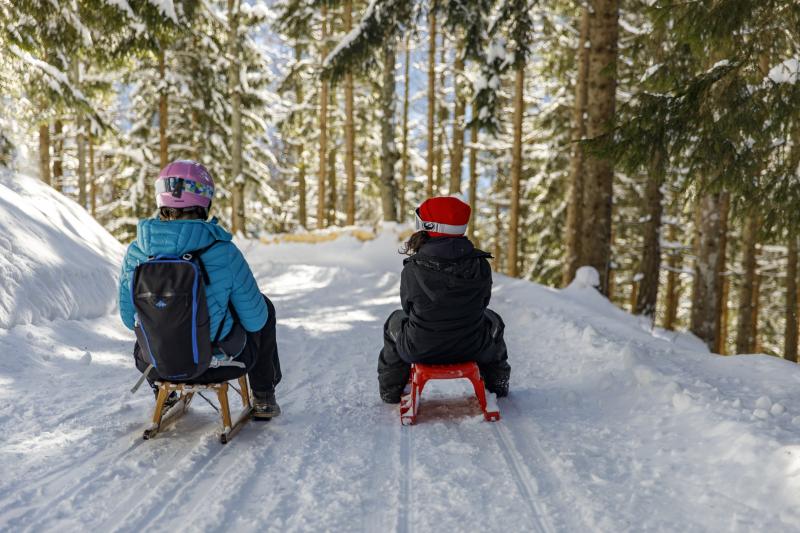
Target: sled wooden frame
column 421, row 374
column 162, row 420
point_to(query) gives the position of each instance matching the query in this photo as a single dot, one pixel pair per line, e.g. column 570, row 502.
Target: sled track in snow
column 405, row 516
column 526, row 483
column 37, row 515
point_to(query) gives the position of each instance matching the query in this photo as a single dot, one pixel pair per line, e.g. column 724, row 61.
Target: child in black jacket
column 445, row 290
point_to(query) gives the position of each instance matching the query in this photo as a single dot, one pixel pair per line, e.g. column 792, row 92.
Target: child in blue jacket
column 184, row 190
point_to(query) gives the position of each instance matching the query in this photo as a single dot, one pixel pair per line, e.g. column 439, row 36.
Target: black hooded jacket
column 445, row 289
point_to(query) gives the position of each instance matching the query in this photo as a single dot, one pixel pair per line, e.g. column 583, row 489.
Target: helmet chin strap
column 437, row 227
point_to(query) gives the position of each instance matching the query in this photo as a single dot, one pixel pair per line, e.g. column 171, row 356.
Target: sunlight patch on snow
column 300, row 280
column 46, row 441
column 329, row 320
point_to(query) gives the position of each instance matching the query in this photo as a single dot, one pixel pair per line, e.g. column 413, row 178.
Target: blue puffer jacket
column 228, row 271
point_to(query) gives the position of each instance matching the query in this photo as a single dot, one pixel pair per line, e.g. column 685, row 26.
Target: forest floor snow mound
column 56, row 261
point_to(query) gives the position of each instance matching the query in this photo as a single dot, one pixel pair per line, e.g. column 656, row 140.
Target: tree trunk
column 473, row 179
column 92, row 179
column 651, row 257
column 790, row 330
column 595, row 246
column 389, row 154
column 234, row 88
column 302, row 214
column 498, row 230
column 754, row 320
column 457, row 157
column 705, row 293
column 350, row 135
column 675, row 263
column 44, row 152
column 58, row 155
column 723, row 281
column 576, row 172
column 745, row 342
column 443, row 113
column 634, row 297
column 163, row 110
column 724, row 313
column 404, row 171
column 330, row 216
column 431, row 96
column 80, row 136
column 323, row 127
column 163, row 140
column 516, row 171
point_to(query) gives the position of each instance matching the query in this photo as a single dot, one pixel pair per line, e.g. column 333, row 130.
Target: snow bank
column 56, row 261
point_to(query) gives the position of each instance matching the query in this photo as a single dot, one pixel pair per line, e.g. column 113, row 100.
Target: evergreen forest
column 656, row 141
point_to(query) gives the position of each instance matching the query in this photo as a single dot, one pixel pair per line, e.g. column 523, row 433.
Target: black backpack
column 172, row 322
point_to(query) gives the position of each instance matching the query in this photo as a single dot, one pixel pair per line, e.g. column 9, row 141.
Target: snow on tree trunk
column 389, row 154
column 790, row 328
column 516, row 172
column 404, row 169
column 576, row 171
column 473, row 179
column 323, row 127
column 350, row 136
column 457, row 157
column 234, row 90
column 650, row 267
column 44, row 153
column 431, row 96
column 745, row 341
column 595, row 246
column 706, row 277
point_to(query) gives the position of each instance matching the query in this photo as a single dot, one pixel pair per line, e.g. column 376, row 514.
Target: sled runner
column 163, row 418
column 421, row 374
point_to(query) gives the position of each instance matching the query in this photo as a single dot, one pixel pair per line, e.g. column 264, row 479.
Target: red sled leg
column 420, row 374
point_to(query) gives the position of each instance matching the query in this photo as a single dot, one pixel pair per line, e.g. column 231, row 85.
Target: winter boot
column 499, row 387
column 265, row 406
column 391, row 395
column 171, row 400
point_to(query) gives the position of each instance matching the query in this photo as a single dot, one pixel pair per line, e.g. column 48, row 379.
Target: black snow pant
column 393, row 371
column 260, row 356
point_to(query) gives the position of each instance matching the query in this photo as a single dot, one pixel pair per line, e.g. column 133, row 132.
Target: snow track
column 609, row 427
column 526, row 483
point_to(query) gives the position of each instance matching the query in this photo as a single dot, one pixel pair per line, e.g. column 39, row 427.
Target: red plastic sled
column 421, row 374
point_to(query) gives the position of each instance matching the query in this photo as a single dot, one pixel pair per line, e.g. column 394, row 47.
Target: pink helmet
column 184, row 183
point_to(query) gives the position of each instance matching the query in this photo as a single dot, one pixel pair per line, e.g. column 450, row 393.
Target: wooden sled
column 162, row 419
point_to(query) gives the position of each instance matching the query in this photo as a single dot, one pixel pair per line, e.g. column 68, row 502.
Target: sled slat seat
column 421, row 374
column 186, row 391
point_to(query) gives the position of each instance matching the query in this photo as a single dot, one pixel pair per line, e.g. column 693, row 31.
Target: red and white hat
column 443, row 216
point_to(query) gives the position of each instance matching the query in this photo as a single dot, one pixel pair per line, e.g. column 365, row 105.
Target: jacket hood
column 176, row 237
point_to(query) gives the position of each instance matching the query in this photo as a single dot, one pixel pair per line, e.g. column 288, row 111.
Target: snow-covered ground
column 609, row 426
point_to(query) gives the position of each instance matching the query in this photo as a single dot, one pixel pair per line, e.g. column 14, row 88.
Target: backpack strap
column 196, row 255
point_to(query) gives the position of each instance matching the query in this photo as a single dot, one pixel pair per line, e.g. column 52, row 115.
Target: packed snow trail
column 610, row 426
